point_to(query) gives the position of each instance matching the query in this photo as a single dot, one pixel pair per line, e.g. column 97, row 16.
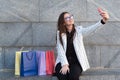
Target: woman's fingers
column 64, row 70
column 68, row 70
column 105, row 15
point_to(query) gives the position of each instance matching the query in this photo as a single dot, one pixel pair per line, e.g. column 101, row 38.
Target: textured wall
column 32, row 24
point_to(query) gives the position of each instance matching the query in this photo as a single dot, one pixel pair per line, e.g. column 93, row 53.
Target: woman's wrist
column 66, row 65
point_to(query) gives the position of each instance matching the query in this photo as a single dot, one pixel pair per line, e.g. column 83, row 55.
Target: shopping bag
column 28, row 64
column 50, row 62
column 17, row 62
column 41, row 62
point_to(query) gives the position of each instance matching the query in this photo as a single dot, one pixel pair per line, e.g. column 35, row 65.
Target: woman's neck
column 69, row 28
column 69, row 31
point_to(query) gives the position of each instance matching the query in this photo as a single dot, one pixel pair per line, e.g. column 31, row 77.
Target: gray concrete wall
column 32, row 24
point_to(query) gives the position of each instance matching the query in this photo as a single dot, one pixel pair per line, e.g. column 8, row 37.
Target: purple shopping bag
column 41, row 62
column 28, row 64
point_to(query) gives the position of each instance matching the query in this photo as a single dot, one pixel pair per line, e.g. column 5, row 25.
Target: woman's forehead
column 67, row 15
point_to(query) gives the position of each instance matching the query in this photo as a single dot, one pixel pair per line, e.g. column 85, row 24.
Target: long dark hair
column 61, row 26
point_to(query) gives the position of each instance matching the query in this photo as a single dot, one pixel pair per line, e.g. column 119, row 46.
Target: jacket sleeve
column 90, row 29
column 61, row 52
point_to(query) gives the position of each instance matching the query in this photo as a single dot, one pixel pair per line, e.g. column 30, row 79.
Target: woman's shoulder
column 58, row 32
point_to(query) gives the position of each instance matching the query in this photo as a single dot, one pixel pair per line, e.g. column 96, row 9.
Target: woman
column 72, row 59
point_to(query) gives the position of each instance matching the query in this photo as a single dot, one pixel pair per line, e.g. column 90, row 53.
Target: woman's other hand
column 64, row 69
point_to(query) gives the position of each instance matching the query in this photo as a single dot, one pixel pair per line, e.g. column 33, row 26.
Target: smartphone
column 100, row 10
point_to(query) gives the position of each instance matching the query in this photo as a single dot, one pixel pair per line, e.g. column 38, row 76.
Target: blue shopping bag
column 28, row 64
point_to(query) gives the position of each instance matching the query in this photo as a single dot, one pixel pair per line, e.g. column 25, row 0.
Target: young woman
column 72, row 59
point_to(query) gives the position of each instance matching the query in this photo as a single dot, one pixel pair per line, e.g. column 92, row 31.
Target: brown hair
column 61, row 26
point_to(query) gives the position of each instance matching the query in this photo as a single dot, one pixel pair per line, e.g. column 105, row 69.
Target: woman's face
column 68, row 20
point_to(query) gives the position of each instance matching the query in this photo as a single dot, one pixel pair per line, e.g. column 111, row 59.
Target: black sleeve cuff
column 102, row 21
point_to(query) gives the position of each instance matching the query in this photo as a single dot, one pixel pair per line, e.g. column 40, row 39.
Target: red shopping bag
column 50, row 62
